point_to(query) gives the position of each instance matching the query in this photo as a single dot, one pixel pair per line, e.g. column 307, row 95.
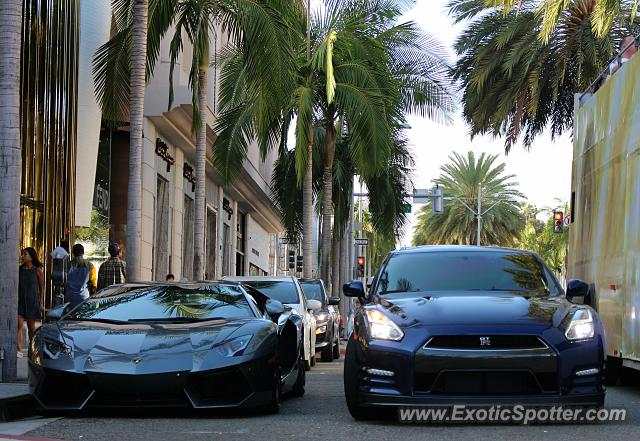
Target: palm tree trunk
column 10, row 162
column 335, row 265
column 201, row 178
column 307, row 213
column 344, row 270
column 327, row 204
column 138, row 84
column 307, row 190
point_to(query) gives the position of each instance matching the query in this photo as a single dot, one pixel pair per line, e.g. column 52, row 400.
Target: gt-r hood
column 473, row 309
column 145, row 347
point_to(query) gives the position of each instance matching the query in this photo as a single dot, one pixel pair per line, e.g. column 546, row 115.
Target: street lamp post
column 479, row 215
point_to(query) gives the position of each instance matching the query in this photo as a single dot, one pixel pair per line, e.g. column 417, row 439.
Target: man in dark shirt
column 113, row 271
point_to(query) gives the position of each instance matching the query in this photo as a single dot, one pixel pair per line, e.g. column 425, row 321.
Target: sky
column 543, row 173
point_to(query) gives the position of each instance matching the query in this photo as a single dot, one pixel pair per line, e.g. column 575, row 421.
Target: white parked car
column 287, row 290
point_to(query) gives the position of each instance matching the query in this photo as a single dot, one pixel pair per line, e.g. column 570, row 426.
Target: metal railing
column 605, row 72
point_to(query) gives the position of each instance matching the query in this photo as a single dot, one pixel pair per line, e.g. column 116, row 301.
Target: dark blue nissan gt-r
column 480, row 326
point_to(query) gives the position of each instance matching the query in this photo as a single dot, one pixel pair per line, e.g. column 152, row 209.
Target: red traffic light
column 361, row 260
column 558, row 221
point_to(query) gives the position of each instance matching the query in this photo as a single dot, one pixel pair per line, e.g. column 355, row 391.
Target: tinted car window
column 464, row 271
column 313, row 291
column 284, row 292
column 165, row 302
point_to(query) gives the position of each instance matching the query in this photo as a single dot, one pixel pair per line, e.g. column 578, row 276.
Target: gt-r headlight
column 382, row 327
column 322, row 317
column 235, row 346
column 581, row 326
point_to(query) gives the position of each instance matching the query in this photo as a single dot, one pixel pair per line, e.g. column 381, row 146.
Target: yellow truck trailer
column 604, row 230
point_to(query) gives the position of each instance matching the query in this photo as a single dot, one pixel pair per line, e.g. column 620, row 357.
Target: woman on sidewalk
column 30, row 294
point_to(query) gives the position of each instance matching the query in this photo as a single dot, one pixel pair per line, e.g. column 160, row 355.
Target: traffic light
column 299, row 261
column 437, row 200
column 360, row 266
column 558, row 221
column 292, row 259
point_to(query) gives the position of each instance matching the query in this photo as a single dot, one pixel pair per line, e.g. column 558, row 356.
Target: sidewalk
column 15, row 400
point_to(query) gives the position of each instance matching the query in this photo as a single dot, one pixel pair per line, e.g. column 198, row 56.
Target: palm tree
column 605, row 13
column 515, row 83
column 461, row 179
column 120, row 71
column 10, row 157
column 254, row 26
column 366, row 70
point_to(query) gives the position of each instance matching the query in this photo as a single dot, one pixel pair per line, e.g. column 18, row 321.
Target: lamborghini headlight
column 235, row 346
column 54, row 349
column 382, row 327
column 581, row 326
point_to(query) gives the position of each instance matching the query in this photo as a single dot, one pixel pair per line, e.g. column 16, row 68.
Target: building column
column 234, row 237
column 178, row 216
column 247, row 245
column 220, row 233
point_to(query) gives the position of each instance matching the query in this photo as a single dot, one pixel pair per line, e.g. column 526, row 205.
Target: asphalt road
column 322, row 415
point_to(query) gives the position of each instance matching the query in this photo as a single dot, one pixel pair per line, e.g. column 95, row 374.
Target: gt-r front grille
column 500, row 382
column 485, row 342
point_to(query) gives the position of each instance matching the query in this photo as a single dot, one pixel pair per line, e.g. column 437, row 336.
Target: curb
column 23, row 438
column 15, row 408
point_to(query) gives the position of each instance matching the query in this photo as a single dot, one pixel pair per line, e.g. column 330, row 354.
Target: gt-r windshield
column 466, row 271
column 165, row 303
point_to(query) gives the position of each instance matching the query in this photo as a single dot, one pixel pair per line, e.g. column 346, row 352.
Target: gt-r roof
column 453, row 248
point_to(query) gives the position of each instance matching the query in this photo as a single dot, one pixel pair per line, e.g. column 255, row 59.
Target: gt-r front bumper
column 390, row 376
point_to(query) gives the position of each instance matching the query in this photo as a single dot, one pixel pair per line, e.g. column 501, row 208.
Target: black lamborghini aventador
column 200, row 345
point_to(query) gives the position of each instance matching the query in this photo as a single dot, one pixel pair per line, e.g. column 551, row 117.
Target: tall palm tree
column 10, row 158
column 605, row 13
column 120, row 72
column 515, row 83
column 366, row 70
column 461, row 179
column 255, row 28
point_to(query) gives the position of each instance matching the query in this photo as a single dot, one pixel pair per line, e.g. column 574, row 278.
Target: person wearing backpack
column 81, row 279
column 113, row 271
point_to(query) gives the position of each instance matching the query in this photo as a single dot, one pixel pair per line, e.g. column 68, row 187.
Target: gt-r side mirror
column 354, row 288
column 578, row 288
column 56, row 313
column 334, row 301
column 274, row 309
column 313, row 305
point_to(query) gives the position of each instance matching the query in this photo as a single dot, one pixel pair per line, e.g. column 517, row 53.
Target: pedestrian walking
column 113, row 271
column 81, row 280
column 30, row 294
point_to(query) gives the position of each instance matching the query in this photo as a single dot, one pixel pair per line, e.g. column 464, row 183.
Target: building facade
column 241, row 223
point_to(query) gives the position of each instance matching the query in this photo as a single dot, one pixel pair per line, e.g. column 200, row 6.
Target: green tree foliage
column 460, row 179
column 550, row 246
column 517, row 84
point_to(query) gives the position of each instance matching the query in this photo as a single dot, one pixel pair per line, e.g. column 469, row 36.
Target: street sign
column 567, row 220
column 406, row 207
column 362, row 241
column 286, row 241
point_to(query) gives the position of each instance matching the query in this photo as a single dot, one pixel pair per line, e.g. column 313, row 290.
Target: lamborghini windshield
column 165, row 303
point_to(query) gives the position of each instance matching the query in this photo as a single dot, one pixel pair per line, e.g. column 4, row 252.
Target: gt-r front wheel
column 351, row 382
